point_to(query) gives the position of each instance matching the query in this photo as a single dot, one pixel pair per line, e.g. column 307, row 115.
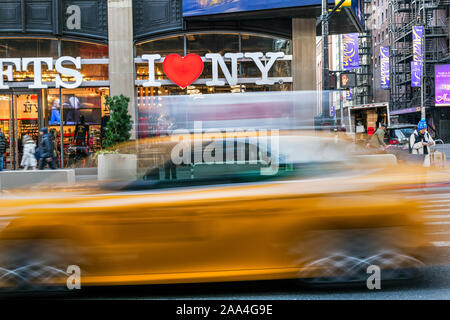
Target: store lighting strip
column 285, row 58
column 279, row 80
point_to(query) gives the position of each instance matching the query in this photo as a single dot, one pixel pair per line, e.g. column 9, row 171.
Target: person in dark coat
column 46, row 150
column 3, row 147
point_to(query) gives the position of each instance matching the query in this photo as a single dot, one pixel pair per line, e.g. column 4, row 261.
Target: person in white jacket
column 29, row 149
column 420, row 142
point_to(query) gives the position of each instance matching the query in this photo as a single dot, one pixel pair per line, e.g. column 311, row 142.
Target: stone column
column 121, row 54
column 304, row 68
column 304, row 53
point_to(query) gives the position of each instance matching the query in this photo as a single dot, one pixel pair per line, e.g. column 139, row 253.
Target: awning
column 407, row 110
column 369, row 106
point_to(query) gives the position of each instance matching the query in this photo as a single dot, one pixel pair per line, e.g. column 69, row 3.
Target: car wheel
column 36, row 265
column 343, row 269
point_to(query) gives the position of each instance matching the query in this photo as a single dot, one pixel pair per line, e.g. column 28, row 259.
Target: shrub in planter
column 112, row 164
column 120, row 123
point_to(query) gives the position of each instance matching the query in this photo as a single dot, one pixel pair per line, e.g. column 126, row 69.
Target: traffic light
column 332, row 84
column 348, row 80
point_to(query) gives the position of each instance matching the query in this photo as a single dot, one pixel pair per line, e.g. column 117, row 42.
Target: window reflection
column 202, row 44
column 19, row 48
column 83, row 116
column 154, row 115
column 163, row 47
column 84, row 49
column 251, row 43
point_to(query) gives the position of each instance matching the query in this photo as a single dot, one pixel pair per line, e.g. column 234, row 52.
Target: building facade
column 84, row 50
column 406, row 97
column 389, row 25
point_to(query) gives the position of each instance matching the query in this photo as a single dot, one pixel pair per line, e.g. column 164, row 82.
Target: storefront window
column 221, row 43
column 142, row 72
column 202, row 44
column 19, row 48
column 251, row 43
column 154, row 115
column 19, row 116
column 84, row 49
column 23, row 111
column 163, row 47
column 84, row 117
column 5, row 124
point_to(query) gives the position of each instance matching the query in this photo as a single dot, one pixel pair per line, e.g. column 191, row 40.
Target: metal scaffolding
column 363, row 93
column 403, row 15
column 364, row 74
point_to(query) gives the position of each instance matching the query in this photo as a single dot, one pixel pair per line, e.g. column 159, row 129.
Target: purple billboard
column 384, row 61
column 349, row 95
column 417, row 34
column 416, row 74
column 351, row 51
column 442, row 85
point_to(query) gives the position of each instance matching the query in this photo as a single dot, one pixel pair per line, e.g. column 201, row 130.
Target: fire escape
column 364, row 74
column 404, row 14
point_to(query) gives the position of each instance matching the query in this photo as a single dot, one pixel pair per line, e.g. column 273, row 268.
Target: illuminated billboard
column 442, row 85
column 207, row 7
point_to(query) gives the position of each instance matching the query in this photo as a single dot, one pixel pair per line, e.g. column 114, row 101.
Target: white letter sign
column 255, row 56
column 9, row 71
column 217, row 59
column 151, row 70
column 37, row 64
column 69, row 72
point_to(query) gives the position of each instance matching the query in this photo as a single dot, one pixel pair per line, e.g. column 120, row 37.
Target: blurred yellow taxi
column 324, row 213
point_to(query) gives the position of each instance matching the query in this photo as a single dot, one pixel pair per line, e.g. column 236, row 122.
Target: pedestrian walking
column 420, row 142
column 28, row 157
column 3, row 147
column 45, row 150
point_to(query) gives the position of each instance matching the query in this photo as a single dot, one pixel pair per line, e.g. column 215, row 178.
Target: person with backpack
column 420, row 142
column 3, row 147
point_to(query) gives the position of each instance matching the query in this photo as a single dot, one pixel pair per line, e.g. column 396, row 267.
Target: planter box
column 117, row 167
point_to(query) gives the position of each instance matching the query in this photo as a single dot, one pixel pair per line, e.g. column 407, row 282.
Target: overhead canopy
column 256, row 14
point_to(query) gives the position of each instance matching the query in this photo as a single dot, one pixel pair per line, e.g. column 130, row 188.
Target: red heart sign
column 183, row 71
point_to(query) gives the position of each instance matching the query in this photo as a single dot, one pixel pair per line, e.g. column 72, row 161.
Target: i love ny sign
column 183, row 71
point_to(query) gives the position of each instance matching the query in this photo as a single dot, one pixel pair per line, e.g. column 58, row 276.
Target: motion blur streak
column 328, row 212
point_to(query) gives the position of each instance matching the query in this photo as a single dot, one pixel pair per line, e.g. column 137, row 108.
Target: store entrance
column 19, row 116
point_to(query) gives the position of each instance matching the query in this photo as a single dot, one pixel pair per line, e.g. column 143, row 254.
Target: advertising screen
column 442, row 85
column 206, row 7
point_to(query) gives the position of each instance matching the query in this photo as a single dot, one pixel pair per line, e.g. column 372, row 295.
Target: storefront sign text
column 6, row 70
column 184, row 71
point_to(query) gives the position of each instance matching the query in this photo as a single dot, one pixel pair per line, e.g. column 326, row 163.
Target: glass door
column 5, row 110
column 24, row 120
